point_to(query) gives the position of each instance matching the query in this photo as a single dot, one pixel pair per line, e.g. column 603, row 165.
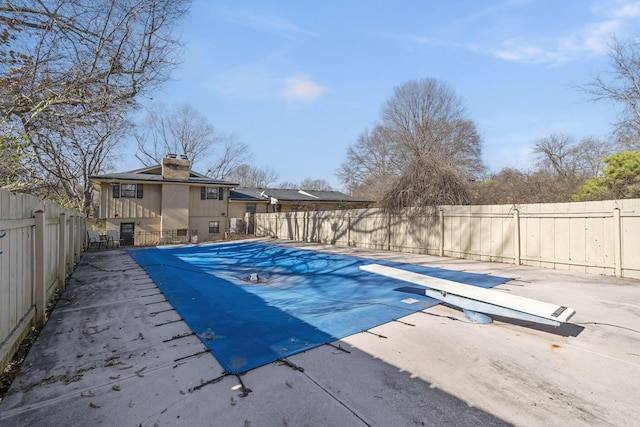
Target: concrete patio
column 114, row 352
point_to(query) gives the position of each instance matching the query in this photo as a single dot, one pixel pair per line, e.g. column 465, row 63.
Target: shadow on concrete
column 564, row 330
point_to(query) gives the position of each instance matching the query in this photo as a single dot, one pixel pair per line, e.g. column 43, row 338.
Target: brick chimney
column 176, row 168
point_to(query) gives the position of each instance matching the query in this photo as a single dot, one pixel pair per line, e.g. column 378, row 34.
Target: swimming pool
column 253, row 303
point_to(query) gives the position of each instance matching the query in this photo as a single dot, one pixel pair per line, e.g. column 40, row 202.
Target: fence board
column 568, row 236
column 17, row 297
column 5, row 287
column 630, row 240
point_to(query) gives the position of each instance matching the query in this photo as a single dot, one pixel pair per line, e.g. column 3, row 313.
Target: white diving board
column 478, row 302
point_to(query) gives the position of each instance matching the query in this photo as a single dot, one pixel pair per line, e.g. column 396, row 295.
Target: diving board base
column 476, row 317
column 480, row 302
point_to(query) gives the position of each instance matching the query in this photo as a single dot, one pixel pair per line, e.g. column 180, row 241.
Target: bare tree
column 556, row 154
column 627, row 138
column 230, row 154
column 425, row 183
column 73, row 150
column 371, row 164
column 70, row 72
column 253, row 177
column 622, row 87
column 317, row 184
column 73, row 57
column 15, row 172
column 182, row 130
column 423, row 123
column 426, row 118
column 560, row 155
column 591, row 155
column 563, row 166
column 288, row 185
column 513, row 187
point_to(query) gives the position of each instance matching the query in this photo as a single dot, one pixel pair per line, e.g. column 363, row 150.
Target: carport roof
column 293, row 195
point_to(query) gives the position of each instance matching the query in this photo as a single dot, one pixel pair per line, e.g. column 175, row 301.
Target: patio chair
column 113, row 238
column 95, row 239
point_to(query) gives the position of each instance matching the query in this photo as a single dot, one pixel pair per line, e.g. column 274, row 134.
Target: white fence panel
column 591, row 237
column 27, row 252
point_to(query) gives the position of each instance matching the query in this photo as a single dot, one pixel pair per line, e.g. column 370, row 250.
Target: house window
column 211, row 193
column 251, row 207
column 214, row 227
column 128, row 190
column 181, row 232
column 133, row 191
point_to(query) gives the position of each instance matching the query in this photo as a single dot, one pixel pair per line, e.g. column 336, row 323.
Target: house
column 167, row 203
column 170, row 203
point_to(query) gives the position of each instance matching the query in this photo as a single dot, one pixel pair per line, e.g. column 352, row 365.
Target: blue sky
column 298, row 81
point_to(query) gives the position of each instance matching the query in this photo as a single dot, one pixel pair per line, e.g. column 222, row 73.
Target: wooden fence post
column 73, row 240
column 441, row 217
column 617, row 242
column 348, row 228
column 516, row 237
column 62, row 251
column 389, row 231
column 71, row 249
column 40, row 288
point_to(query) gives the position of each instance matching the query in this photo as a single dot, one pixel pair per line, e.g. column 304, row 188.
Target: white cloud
column 519, row 51
column 302, row 88
column 609, row 18
column 590, row 40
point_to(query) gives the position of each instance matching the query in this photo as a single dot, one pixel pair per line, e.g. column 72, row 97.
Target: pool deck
column 114, row 352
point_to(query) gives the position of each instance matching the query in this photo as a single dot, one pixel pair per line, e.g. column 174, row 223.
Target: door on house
column 251, row 224
column 126, row 232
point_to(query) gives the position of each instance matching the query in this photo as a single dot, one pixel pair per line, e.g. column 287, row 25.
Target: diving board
column 478, row 302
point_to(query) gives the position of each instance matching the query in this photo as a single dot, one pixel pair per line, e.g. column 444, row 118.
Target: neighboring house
column 170, row 203
column 164, row 204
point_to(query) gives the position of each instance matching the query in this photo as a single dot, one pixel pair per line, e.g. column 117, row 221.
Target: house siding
column 203, row 211
column 147, row 207
column 238, row 209
column 209, row 207
column 175, row 206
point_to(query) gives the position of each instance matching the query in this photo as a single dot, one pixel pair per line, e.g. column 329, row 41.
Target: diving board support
column 476, row 317
column 477, row 303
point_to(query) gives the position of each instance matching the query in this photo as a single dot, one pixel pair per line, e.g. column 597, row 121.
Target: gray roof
column 288, row 195
column 154, row 173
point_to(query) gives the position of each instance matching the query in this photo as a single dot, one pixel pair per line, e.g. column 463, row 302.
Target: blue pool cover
column 302, row 298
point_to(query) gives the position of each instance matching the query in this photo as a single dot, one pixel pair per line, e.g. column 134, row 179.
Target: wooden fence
column 40, row 243
column 592, row 237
